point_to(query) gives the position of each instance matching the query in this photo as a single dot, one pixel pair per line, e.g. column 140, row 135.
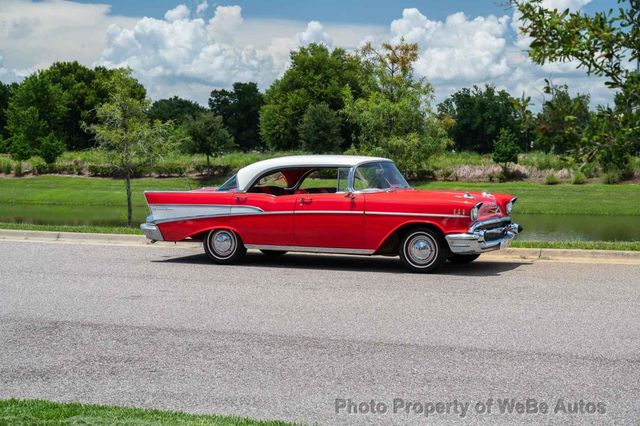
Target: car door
column 328, row 216
column 264, row 215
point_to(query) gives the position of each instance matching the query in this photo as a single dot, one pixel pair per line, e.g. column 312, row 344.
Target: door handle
column 240, row 199
column 305, row 200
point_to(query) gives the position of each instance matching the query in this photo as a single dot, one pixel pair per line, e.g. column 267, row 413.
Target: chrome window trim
column 334, row 250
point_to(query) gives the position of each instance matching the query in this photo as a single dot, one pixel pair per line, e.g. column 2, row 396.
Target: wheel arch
column 391, row 242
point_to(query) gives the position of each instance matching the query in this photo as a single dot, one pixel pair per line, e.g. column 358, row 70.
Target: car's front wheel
column 422, row 250
column 224, row 246
column 463, row 258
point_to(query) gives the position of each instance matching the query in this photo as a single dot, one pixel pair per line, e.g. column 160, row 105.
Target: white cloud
column 314, row 34
column 457, row 48
column 187, row 54
column 178, row 13
column 202, row 8
column 224, row 24
column 35, row 34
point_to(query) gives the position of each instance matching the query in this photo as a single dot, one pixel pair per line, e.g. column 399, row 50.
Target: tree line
column 369, row 101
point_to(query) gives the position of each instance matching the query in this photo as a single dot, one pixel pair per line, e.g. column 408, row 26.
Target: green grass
column 563, row 199
column 81, row 191
column 36, row 412
column 579, row 245
column 72, row 228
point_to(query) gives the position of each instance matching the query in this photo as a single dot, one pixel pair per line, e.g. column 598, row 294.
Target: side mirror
column 350, row 195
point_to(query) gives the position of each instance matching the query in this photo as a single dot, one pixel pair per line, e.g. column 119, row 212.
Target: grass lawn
column 36, row 412
column 533, row 198
column 565, row 199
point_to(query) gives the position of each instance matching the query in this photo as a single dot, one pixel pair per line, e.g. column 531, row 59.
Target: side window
column 273, row 179
column 327, row 180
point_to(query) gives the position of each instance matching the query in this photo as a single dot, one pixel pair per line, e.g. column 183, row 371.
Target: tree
column 395, row 119
column 175, row 109
column 35, row 110
column 51, row 148
column 562, row 121
column 208, row 136
column 240, row 112
column 506, row 149
column 320, row 129
column 127, row 138
column 479, row 115
column 602, row 44
column 83, row 90
column 316, row 75
column 5, row 94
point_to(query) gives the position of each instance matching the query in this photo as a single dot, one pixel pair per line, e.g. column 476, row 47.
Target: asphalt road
column 159, row 326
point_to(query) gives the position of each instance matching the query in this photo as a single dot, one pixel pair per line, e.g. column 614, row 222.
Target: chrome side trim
column 417, row 214
column 310, row 249
column 328, row 212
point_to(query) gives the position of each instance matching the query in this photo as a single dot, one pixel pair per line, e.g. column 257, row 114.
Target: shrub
column 19, row 148
column 5, row 166
column 506, row 149
column 100, row 170
column 578, row 178
column 51, row 148
column 591, row 170
column 611, row 177
column 17, row 170
column 551, row 179
column 38, row 166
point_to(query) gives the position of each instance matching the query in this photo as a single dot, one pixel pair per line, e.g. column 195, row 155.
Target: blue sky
column 360, row 11
column 189, row 47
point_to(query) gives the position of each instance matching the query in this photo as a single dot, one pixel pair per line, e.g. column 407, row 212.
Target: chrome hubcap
column 421, row 250
column 223, row 243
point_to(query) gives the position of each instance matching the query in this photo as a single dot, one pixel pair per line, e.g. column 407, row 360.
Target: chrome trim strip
column 310, row 249
column 328, row 212
column 417, row 214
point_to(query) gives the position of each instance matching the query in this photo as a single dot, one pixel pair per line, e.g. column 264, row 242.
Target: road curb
column 511, row 253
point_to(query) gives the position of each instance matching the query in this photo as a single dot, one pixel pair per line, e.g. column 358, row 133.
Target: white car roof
column 248, row 174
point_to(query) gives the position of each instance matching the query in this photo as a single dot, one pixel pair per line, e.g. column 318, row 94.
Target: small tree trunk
column 208, row 166
column 127, row 184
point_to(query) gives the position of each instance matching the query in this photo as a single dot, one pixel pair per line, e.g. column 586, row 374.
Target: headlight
column 510, row 204
column 473, row 215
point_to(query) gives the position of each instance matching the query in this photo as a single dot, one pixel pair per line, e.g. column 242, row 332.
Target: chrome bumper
column 479, row 240
column 151, row 231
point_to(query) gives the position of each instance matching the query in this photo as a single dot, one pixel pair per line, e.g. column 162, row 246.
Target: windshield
column 378, row 176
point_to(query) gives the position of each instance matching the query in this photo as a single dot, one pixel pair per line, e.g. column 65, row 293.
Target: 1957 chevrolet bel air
column 332, row 204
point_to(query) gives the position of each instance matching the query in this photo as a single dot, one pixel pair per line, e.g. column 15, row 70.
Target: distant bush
column 611, row 177
column 542, row 161
column 551, row 179
column 17, row 169
column 51, row 148
column 38, row 166
column 578, row 178
column 5, row 166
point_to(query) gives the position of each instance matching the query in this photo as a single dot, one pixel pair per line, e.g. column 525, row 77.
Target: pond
column 537, row 227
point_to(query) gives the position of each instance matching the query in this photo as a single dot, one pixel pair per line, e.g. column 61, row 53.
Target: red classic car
column 332, row 204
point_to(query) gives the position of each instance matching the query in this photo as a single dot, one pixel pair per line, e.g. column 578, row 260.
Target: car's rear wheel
column 422, row 250
column 463, row 258
column 273, row 253
column 224, row 246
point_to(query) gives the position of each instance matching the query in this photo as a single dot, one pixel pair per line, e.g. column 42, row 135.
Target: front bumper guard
column 478, row 241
